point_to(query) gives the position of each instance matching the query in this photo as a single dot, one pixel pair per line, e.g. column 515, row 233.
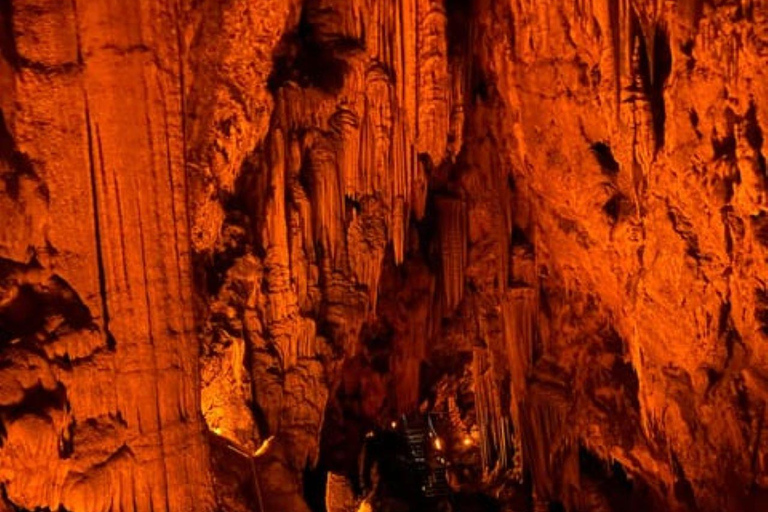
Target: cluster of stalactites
column 360, row 146
column 493, row 419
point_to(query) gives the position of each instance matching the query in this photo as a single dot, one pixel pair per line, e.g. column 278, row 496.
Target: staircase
column 437, row 483
column 431, row 472
column 417, row 439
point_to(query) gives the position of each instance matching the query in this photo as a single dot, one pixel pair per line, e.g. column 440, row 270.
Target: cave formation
column 245, row 243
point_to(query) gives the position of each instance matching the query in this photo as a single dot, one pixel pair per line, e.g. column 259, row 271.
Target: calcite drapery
column 560, row 205
column 101, row 403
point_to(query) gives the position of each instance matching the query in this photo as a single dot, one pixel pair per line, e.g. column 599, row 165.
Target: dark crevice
column 608, row 486
column 683, row 490
column 378, row 340
column 654, row 68
column 20, row 166
column 238, row 233
column 724, row 145
column 481, row 87
column 110, row 340
column 352, row 207
column 617, row 207
column 683, row 227
column 302, row 58
column 313, row 486
column 761, row 310
column 67, row 442
column 556, row 506
column 694, row 117
column 458, row 13
column 753, row 132
column 754, row 136
column 662, row 67
column 686, row 49
column 26, row 314
column 605, row 158
column 520, row 239
column 724, row 318
column 427, row 230
column 760, row 228
column 36, row 401
column 8, row 49
column 729, row 335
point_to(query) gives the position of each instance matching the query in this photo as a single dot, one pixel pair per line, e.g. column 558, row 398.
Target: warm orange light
column 264, row 447
column 467, row 441
column 438, row 443
column 394, row 424
column 217, row 431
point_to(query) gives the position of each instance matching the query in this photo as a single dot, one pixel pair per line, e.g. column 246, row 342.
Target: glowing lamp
column 264, row 447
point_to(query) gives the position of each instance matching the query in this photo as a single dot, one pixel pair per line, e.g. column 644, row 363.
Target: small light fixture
column 438, row 444
column 264, row 447
column 369, row 434
column 393, row 424
column 467, row 441
column 217, row 431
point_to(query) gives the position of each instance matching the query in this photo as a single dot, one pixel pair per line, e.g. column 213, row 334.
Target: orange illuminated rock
column 288, row 222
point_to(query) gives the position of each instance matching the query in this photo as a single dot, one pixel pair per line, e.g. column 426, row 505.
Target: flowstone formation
column 241, row 239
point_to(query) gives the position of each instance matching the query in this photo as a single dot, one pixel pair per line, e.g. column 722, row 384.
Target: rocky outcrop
column 100, row 403
column 289, row 221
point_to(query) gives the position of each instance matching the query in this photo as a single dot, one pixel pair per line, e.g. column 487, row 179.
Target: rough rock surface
column 268, row 226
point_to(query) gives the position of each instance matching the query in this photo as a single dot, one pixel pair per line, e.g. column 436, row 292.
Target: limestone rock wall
column 286, row 221
column 100, row 401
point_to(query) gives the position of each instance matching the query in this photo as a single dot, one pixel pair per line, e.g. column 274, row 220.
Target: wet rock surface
column 239, row 235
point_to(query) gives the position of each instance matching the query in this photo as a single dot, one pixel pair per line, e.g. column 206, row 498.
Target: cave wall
column 100, row 401
column 275, row 224
column 661, row 228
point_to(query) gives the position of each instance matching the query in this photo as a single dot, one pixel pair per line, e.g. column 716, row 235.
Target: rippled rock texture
column 231, row 227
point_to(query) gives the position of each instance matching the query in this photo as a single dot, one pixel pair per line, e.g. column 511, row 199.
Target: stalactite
column 282, row 309
column 518, row 316
column 452, row 219
column 327, row 199
column 402, row 152
column 541, row 430
column 433, row 81
column 496, row 443
column 346, row 124
column 644, row 145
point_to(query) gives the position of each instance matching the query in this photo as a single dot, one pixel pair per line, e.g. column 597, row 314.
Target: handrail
column 252, row 459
